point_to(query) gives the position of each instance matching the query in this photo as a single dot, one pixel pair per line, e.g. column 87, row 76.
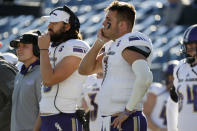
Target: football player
column 91, row 100
column 155, row 105
column 185, row 82
column 61, row 51
column 125, row 65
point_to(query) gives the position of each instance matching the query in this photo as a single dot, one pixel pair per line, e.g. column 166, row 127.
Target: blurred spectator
column 172, row 12
column 188, row 15
column 26, row 95
column 8, row 72
column 6, row 1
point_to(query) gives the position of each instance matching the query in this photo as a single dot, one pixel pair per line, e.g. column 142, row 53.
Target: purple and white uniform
column 185, row 82
column 119, row 78
column 64, row 95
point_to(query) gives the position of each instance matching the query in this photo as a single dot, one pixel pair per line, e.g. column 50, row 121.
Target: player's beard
column 58, row 36
column 109, row 34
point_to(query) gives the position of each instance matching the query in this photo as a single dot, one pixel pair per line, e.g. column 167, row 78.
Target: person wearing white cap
column 61, row 51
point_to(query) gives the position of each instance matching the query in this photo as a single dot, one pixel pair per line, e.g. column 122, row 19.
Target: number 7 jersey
column 185, row 82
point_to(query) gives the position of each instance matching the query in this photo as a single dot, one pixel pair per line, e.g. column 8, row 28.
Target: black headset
column 28, row 38
column 36, row 50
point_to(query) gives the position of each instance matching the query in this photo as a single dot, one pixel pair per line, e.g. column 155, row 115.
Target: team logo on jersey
column 30, row 82
column 191, row 79
column 46, row 88
column 61, row 48
column 79, row 49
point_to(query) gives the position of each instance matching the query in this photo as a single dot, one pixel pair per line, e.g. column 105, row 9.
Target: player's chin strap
column 144, row 78
column 191, row 59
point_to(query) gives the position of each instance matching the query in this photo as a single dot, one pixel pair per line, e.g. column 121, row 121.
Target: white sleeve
column 142, row 72
column 172, row 115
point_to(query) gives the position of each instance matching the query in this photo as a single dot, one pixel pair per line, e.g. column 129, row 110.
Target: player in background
column 155, row 105
column 185, row 82
column 90, row 93
column 90, row 101
column 87, row 107
column 61, row 51
column 125, row 65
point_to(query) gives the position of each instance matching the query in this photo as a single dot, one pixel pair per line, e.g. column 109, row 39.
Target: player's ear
column 67, row 26
column 122, row 25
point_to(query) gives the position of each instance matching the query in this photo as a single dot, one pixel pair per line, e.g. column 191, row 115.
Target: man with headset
column 61, row 51
column 26, row 94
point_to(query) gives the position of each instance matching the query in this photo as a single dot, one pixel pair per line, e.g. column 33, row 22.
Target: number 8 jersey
column 185, row 82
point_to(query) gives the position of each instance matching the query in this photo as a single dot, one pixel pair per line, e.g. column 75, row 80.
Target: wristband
column 45, row 49
column 127, row 113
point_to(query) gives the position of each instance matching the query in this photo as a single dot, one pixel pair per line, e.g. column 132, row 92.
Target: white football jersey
column 69, row 90
column 91, row 97
column 118, row 75
column 185, row 83
column 158, row 115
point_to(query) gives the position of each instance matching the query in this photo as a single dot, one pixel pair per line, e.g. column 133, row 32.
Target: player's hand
column 121, row 117
column 44, row 41
column 100, row 35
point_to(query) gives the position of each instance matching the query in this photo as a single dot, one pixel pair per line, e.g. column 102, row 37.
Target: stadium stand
column 165, row 39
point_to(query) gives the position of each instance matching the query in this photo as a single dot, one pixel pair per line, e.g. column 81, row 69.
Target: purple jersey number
column 192, row 97
column 94, row 112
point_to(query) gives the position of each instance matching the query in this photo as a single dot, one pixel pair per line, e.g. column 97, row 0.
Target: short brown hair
column 125, row 11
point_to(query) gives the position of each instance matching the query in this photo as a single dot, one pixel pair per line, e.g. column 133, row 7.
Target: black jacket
column 7, row 76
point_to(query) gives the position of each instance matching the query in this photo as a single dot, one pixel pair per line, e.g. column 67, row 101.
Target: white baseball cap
column 57, row 16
